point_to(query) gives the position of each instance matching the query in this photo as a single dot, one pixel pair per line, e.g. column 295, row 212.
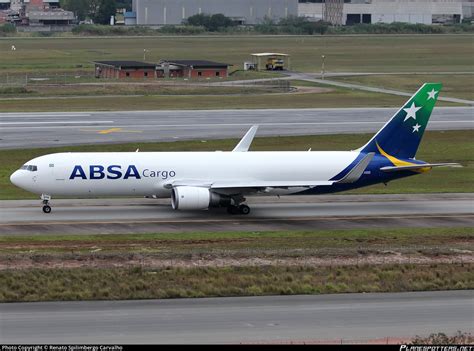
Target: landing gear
column 238, row 209
column 46, row 207
column 244, row 209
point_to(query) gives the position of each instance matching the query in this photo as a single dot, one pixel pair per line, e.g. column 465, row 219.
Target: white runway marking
column 56, row 122
column 3, row 115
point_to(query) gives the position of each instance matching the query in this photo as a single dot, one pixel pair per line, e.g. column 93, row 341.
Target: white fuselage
column 149, row 173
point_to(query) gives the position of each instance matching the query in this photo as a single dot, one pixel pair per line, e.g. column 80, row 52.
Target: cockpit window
column 30, row 168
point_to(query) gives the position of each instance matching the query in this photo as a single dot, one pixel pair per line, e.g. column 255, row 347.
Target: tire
column 46, row 209
column 244, row 209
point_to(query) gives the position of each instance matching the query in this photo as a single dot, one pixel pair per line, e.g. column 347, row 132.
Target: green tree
column 106, row 9
column 79, row 7
column 124, row 4
column 199, row 20
column 218, row 21
column 210, row 23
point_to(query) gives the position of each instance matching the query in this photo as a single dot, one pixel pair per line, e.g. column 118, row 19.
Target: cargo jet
column 203, row 180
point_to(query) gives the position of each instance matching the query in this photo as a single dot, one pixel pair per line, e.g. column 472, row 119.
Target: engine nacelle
column 196, row 198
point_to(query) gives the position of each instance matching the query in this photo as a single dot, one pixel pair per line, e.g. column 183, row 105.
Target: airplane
column 204, row 180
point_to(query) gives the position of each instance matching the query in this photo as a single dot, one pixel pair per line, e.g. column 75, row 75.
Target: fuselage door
column 58, row 171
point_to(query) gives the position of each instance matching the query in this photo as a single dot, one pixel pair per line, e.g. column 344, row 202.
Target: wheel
column 244, row 209
column 47, row 209
column 232, row 209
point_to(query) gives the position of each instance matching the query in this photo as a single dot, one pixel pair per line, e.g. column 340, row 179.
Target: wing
column 244, row 144
column 251, row 185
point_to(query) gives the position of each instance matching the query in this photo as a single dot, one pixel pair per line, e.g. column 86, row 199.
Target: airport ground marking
column 111, row 130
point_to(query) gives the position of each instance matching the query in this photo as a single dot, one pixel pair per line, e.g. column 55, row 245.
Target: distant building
column 16, row 5
column 165, row 69
column 42, row 14
column 130, row 18
column 125, row 69
column 347, row 12
column 192, row 69
column 163, row 12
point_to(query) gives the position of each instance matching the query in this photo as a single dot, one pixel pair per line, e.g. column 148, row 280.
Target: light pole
column 322, row 66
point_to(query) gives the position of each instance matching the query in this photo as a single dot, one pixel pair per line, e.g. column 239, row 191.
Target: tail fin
column 402, row 134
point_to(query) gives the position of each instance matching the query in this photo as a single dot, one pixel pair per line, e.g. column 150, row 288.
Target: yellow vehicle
column 274, row 64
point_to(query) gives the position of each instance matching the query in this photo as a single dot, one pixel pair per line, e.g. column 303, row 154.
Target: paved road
column 292, row 212
column 235, row 320
column 23, row 130
column 311, row 77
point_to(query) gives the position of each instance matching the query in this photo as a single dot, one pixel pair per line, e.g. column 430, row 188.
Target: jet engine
column 197, row 198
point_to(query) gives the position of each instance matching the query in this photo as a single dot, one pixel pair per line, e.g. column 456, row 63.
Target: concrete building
column 16, row 5
column 40, row 14
column 346, row 12
column 162, row 12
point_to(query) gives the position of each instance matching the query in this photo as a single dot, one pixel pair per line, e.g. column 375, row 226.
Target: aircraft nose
column 19, row 178
column 15, row 177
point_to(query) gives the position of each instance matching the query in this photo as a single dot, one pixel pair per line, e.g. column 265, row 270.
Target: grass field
column 459, row 86
column 133, row 88
column 449, row 146
column 378, row 53
column 281, row 244
column 335, row 97
column 137, row 283
column 84, row 267
column 367, row 53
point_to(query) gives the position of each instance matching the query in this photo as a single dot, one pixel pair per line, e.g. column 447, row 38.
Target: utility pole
column 322, row 67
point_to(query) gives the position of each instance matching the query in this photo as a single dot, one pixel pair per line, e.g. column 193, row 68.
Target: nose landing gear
column 46, row 207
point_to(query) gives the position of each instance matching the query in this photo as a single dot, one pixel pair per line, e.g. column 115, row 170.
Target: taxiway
column 26, row 130
column 338, row 318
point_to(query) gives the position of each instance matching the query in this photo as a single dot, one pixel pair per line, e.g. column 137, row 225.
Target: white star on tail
column 432, row 94
column 411, row 111
column 416, row 128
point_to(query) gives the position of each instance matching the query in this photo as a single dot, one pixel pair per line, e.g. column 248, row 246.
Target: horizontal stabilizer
column 418, row 167
column 244, row 144
column 356, row 172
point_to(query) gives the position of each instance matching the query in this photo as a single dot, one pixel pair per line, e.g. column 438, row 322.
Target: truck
column 274, row 64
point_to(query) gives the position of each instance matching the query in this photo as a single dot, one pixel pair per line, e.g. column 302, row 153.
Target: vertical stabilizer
column 401, row 135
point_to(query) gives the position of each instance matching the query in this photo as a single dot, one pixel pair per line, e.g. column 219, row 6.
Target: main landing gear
column 46, row 207
column 238, row 208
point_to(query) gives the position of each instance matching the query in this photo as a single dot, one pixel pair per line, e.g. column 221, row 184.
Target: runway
column 25, row 130
column 115, row 216
column 239, row 320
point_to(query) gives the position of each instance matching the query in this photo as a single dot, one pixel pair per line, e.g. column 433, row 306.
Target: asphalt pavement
column 350, row 317
column 25, row 130
column 86, row 216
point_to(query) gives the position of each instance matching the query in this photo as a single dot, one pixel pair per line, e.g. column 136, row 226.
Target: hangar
column 163, row 12
column 348, row 12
